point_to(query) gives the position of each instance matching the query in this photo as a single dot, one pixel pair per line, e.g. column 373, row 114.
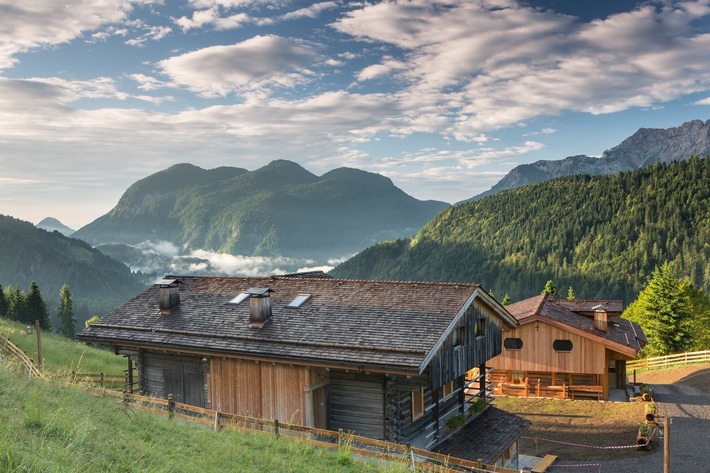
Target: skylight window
column 240, row 298
column 298, row 301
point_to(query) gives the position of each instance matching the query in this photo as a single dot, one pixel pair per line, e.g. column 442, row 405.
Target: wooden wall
column 356, row 403
column 265, row 390
column 452, row 362
column 537, row 353
column 182, row 376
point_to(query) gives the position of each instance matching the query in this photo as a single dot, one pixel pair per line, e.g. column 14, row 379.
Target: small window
column 447, row 390
column 513, row 344
column 562, row 345
column 417, row 404
column 240, row 298
column 479, row 329
column 459, row 337
column 298, row 301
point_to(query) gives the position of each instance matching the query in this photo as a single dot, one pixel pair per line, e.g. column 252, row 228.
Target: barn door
column 185, row 380
column 356, row 404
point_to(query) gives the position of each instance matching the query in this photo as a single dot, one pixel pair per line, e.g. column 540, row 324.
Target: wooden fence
column 418, row 459
column 21, row 356
column 669, row 360
column 108, row 381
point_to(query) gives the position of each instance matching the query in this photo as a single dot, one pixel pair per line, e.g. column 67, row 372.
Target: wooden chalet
column 386, row 360
column 568, row 349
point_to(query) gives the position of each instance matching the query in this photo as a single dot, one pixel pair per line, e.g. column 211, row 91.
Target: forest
column 601, row 235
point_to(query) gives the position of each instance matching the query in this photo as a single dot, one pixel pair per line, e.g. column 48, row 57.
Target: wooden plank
column 544, row 464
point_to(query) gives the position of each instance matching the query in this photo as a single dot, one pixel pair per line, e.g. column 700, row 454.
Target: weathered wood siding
column 182, row 376
column 451, row 362
column 537, row 353
column 356, row 403
column 264, row 390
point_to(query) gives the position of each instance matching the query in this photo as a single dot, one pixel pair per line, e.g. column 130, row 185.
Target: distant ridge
column 280, row 209
column 53, row 225
column 646, row 146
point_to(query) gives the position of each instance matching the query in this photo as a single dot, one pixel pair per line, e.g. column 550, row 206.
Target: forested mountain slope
column 601, row 235
column 98, row 283
column 280, row 209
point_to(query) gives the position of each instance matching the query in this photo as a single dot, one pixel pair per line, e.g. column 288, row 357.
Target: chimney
column 169, row 295
column 259, row 306
column 601, row 318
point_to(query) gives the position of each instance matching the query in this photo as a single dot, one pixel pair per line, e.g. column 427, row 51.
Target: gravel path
column 689, row 407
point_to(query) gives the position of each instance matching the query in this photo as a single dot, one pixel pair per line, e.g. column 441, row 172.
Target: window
column 237, row 300
column 518, row 376
column 446, row 390
column 417, row 404
column 479, row 329
column 459, row 337
column 513, row 343
column 562, row 345
column 298, row 301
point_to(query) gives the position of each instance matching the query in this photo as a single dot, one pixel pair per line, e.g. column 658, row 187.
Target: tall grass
column 60, row 355
column 57, row 427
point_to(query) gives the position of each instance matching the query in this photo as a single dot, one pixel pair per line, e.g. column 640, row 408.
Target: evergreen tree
column 16, row 306
column 699, row 322
column 550, row 288
column 65, row 313
column 570, row 294
column 506, row 300
column 37, row 308
column 663, row 312
column 3, row 303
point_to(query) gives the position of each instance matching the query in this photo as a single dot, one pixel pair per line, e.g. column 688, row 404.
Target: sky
column 444, row 98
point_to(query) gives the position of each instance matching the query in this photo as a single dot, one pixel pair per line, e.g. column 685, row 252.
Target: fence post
column 216, row 421
column 276, row 427
column 171, row 405
column 340, row 438
column 101, row 379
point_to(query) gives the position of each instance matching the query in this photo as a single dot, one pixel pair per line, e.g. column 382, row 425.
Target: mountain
column 97, row 283
column 646, row 146
column 602, row 235
column 280, row 209
column 53, row 225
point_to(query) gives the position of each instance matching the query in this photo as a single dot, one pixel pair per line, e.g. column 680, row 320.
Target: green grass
column 51, row 426
column 60, row 355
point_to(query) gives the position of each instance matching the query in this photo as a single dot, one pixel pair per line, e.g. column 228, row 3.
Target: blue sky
column 444, row 98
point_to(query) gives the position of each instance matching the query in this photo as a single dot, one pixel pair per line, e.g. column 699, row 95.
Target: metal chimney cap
column 259, row 291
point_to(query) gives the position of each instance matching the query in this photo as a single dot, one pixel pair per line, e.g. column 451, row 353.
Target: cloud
column 259, row 62
column 495, row 63
column 385, row 68
column 312, row 11
column 705, row 101
column 30, row 25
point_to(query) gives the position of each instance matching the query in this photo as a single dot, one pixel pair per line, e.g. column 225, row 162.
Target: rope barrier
column 598, row 447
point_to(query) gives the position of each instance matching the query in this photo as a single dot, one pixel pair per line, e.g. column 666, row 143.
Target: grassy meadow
column 60, row 355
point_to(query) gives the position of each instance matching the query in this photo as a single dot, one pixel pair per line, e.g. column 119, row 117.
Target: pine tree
column 37, row 308
column 570, row 294
column 65, row 313
column 506, row 300
column 550, row 288
column 3, row 303
column 16, row 305
column 663, row 311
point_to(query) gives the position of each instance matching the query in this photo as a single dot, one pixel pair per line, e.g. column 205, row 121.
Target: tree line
column 27, row 308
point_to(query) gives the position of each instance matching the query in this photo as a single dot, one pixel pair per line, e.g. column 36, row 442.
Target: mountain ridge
column 646, row 146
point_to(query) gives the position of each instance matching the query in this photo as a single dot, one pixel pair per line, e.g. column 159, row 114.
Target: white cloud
column 705, row 101
column 258, row 62
column 30, row 25
column 385, row 68
column 311, row 11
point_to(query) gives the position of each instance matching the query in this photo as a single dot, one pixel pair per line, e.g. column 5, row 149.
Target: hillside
column 278, row 210
column 646, row 146
column 601, row 235
column 52, row 426
column 97, row 282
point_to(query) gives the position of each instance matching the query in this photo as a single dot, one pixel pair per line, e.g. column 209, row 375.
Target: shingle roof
column 361, row 323
column 572, row 313
column 486, row 438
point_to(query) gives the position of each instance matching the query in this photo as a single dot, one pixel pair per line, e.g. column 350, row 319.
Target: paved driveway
column 688, row 404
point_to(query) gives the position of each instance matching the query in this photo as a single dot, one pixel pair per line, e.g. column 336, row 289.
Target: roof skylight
column 240, row 298
column 298, row 301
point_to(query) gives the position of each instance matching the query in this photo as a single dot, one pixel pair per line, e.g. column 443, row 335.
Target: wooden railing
column 420, row 460
column 21, row 356
column 108, row 381
column 669, row 360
